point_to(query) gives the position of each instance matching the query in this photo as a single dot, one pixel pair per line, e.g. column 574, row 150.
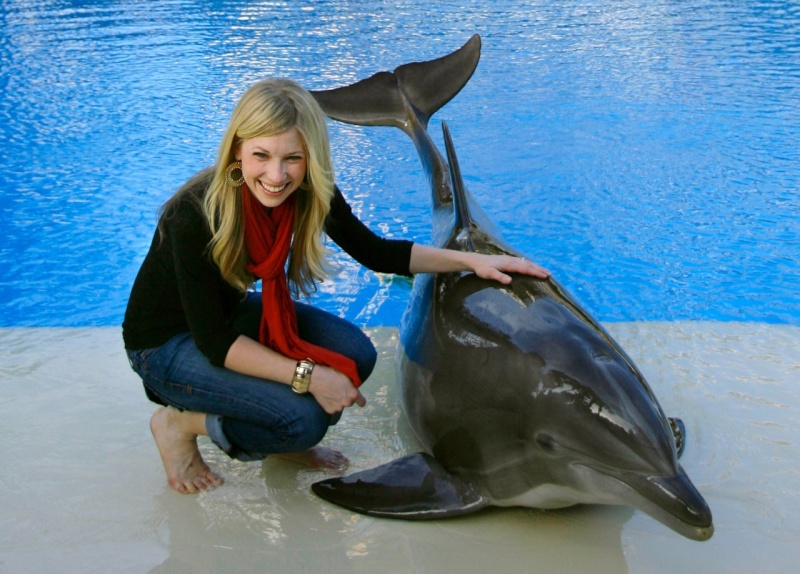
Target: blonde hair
column 268, row 108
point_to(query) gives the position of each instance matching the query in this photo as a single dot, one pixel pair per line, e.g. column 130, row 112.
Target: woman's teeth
column 273, row 189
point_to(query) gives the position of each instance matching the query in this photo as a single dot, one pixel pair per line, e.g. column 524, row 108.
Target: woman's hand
column 333, row 390
column 496, row 267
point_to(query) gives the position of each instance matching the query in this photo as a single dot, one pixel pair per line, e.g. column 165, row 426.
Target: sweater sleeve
column 357, row 240
column 205, row 297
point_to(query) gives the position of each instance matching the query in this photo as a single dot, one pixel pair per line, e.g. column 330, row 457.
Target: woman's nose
column 276, row 171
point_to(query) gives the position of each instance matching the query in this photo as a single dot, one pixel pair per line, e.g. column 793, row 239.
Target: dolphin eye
column 545, row 442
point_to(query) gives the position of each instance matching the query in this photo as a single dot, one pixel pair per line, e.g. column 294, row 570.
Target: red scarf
column 268, row 236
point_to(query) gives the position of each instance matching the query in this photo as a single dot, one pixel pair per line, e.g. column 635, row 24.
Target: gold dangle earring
column 237, row 165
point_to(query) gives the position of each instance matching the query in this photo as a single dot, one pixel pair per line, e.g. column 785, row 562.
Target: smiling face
column 273, row 166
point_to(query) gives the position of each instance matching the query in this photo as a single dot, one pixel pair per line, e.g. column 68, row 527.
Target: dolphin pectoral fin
column 679, row 432
column 414, row 487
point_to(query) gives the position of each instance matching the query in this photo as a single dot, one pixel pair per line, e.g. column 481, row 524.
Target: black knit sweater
column 179, row 288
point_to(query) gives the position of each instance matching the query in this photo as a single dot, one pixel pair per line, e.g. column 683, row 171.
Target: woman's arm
column 362, row 244
column 404, row 257
column 332, row 389
column 426, row 259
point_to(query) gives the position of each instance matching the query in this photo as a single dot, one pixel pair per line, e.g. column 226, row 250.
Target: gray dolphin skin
column 517, row 395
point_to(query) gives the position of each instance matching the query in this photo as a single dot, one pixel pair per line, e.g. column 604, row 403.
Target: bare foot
column 318, row 457
column 187, row 472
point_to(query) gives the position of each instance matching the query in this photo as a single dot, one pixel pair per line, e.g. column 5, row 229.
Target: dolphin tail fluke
column 430, row 85
column 376, row 101
column 414, row 487
column 406, row 99
column 413, row 91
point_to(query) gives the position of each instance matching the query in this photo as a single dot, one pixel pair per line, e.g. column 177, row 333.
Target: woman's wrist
column 428, row 259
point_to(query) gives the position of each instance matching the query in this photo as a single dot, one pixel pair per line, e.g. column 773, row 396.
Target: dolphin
column 516, row 394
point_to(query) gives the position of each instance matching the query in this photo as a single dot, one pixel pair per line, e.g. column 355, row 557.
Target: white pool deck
column 82, row 488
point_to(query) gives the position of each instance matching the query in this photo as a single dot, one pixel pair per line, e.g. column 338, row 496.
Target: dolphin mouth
column 681, row 501
column 672, row 500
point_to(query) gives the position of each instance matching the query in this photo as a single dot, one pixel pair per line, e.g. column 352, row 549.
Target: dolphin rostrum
column 518, row 396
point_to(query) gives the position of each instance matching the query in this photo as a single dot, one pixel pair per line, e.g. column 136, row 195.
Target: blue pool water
column 648, row 152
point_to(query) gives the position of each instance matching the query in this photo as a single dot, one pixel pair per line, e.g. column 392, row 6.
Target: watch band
column 302, row 376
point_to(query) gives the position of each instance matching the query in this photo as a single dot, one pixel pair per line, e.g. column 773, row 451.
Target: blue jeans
column 250, row 418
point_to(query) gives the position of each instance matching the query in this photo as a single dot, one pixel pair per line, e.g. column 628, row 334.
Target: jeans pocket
column 138, row 359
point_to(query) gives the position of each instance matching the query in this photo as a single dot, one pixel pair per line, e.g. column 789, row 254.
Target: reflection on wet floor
column 83, row 488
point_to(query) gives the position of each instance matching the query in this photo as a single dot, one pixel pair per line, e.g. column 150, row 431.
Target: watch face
column 299, row 385
column 302, row 376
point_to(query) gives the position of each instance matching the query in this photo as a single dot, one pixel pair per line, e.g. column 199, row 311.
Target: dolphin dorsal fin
column 461, row 212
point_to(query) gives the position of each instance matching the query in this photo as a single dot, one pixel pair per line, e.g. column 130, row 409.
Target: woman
column 260, row 374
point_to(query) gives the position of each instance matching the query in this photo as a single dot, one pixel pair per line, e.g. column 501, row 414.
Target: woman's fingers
column 334, row 391
column 497, row 267
column 530, row 268
column 360, row 400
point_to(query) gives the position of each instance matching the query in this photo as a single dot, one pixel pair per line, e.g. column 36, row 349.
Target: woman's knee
column 326, row 330
column 366, row 360
column 310, row 436
column 301, row 427
column 308, row 426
